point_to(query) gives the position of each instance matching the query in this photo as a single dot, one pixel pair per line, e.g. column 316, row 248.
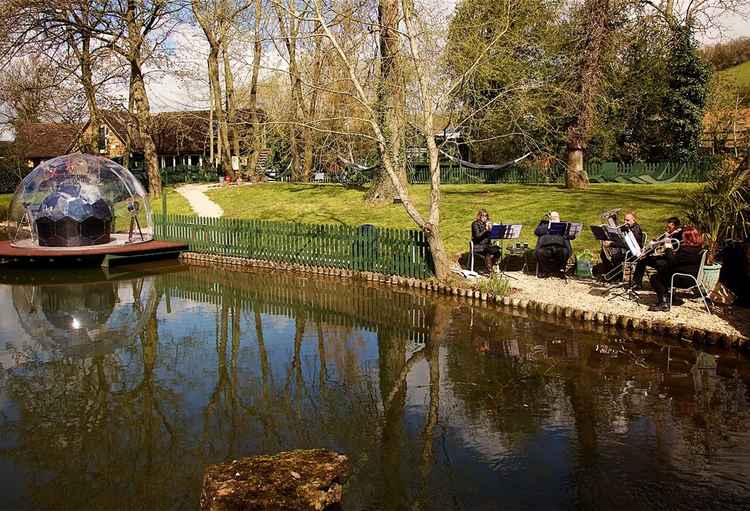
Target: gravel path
column 593, row 296
column 202, row 205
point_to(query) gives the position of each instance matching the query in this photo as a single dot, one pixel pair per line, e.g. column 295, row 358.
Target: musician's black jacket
column 545, row 240
column 685, row 260
column 480, row 236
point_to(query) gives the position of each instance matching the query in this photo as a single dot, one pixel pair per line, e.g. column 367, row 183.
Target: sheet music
column 574, row 230
column 632, row 244
column 505, row 231
column 515, row 231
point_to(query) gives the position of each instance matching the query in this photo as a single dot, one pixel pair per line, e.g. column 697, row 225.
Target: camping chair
column 707, row 276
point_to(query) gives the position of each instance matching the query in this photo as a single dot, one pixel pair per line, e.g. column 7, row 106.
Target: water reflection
column 117, row 392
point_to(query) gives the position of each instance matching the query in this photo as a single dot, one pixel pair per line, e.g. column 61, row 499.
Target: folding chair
column 700, row 281
column 471, row 254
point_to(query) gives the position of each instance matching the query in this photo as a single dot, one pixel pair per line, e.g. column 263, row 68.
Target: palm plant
column 722, row 209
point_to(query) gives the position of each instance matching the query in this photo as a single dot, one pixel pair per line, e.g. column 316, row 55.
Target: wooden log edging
column 702, row 336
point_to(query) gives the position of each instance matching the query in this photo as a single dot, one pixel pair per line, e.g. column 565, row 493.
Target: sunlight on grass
column 331, row 204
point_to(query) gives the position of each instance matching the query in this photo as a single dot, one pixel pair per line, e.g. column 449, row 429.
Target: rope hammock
column 477, row 166
column 356, row 166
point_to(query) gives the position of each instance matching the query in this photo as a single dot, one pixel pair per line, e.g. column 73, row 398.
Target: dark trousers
column 490, row 253
column 660, row 283
column 551, row 259
column 658, row 263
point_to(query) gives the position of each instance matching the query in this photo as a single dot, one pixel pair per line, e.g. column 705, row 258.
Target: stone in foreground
column 299, row 480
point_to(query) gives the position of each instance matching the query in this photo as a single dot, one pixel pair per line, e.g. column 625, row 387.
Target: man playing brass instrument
column 614, row 256
column 658, row 262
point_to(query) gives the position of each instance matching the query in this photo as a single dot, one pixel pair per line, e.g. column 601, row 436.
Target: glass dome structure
column 79, row 200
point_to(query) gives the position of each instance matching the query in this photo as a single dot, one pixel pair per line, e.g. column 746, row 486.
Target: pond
column 118, row 388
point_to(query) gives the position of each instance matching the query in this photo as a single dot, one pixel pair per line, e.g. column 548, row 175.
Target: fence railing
column 454, row 173
column 602, row 172
column 361, row 248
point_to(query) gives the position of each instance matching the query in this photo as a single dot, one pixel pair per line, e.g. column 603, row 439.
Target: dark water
column 117, row 390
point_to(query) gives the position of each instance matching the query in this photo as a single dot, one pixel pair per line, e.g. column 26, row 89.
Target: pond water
column 117, row 389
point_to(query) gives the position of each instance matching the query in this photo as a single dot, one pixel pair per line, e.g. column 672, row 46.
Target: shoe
column 659, row 307
column 676, row 300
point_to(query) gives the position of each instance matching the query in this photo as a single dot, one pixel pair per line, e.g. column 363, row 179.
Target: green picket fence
column 361, row 248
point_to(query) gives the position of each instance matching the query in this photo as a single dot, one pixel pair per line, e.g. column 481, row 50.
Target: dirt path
column 201, row 204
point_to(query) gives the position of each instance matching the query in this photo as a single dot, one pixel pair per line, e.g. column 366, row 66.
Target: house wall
column 114, row 148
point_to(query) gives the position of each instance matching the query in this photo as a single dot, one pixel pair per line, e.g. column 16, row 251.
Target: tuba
column 610, row 217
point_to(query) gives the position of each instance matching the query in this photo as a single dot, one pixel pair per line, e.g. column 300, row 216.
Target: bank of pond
column 119, row 387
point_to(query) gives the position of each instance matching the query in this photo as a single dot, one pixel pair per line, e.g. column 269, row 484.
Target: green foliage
column 511, row 97
column 721, row 209
column 4, row 205
column 688, row 89
column 637, row 84
column 495, row 285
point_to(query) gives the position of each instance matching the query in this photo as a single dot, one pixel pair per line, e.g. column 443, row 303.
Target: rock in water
column 302, row 480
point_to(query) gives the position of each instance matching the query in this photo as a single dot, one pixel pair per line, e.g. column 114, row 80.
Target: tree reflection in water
column 438, row 403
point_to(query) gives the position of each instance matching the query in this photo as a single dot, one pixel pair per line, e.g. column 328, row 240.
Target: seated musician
column 686, row 259
column 673, row 231
column 481, row 229
column 552, row 250
column 613, row 256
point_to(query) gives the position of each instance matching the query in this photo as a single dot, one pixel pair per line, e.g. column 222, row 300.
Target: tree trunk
column 143, row 118
column 213, row 76
column 257, row 49
column 588, row 83
column 141, row 105
column 575, row 174
column 391, row 102
column 90, row 142
column 231, row 105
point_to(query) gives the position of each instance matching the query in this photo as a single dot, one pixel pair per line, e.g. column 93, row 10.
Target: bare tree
column 136, row 30
column 304, row 103
column 216, row 18
column 64, row 33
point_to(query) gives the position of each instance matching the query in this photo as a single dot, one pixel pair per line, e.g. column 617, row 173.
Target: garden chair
column 706, row 279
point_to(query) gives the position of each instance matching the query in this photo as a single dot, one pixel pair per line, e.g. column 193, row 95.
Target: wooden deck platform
column 88, row 256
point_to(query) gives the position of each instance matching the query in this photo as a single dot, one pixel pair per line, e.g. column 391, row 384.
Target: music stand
column 627, row 287
column 505, row 232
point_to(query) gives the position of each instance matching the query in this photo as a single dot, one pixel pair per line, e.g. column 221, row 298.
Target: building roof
column 45, row 139
column 174, row 133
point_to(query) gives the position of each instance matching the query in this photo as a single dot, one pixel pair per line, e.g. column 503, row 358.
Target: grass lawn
column 523, row 204
column 4, row 205
column 176, row 204
column 740, row 72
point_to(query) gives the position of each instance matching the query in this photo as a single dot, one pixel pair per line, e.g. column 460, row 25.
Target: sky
column 169, row 92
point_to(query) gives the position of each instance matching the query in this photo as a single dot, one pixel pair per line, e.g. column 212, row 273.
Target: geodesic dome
column 79, row 200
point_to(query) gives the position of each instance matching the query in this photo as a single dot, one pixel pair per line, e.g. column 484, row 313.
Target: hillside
column 741, row 73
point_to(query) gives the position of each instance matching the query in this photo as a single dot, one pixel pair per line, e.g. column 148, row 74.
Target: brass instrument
column 659, row 246
column 611, row 218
